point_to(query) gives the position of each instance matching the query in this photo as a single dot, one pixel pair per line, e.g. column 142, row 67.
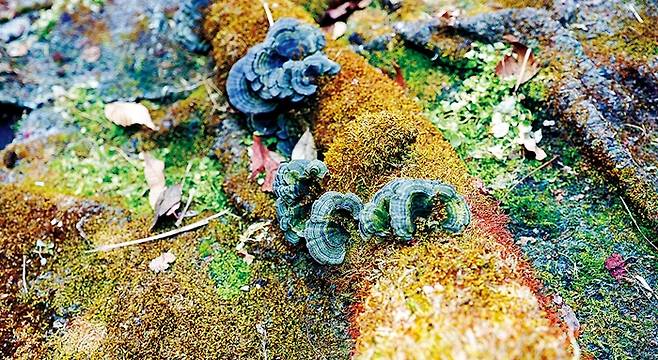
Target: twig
column 167, row 234
column 24, row 274
column 636, row 225
column 635, row 13
column 126, row 157
column 268, row 13
column 187, row 206
column 210, row 87
column 530, row 173
column 524, row 65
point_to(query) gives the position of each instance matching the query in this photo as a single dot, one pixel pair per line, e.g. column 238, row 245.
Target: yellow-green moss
column 234, row 27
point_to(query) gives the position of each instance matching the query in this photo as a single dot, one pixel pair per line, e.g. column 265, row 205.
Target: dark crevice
column 9, row 114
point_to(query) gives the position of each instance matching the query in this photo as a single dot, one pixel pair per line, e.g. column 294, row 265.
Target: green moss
column 101, row 160
column 422, row 78
column 226, row 268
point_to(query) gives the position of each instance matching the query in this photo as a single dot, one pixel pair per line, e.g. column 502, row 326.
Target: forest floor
column 73, row 181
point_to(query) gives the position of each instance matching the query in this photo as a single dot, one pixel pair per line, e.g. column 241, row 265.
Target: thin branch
column 187, row 206
column 167, row 234
column 509, row 190
column 25, row 274
column 635, row 13
column 635, row 222
column 270, row 19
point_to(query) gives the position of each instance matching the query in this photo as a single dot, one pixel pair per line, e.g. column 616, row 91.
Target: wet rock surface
column 127, row 47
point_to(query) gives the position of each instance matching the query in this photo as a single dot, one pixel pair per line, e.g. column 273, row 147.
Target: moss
column 229, row 272
column 422, row 79
column 635, row 42
column 29, row 216
column 233, row 28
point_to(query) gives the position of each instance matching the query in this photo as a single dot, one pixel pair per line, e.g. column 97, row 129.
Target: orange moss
column 233, row 28
column 246, row 195
column 357, row 89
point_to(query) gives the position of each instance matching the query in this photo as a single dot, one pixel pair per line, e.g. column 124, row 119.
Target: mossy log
column 475, row 283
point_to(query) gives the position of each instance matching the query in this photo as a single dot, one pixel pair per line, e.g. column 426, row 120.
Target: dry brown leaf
column 399, row 77
column 126, row 114
column 520, row 65
column 167, row 203
column 155, row 178
column 305, row 148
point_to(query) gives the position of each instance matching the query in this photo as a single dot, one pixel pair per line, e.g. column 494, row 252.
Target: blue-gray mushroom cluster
column 393, row 210
column 291, row 185
column 283, row 68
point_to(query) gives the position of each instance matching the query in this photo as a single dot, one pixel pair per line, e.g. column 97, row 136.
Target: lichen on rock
column 283, row 68
column 401, row 201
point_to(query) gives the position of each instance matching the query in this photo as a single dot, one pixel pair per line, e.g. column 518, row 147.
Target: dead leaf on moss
column 448, row 16
column 336, row 30
column 521, row 64
column 256, row 232
column 126, row 114
column 167, row 203
column 162, row 262
column 305, row 148
column 263, row 160
column 155, row 178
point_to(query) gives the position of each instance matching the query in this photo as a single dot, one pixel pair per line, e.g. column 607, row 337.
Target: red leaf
column 616, row 265
column 399, row 78
column 263, row 160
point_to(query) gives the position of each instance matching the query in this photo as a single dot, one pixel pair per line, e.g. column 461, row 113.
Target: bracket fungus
column 291, row 186
column 401, row 201
column 282, row 68
column 325, row 233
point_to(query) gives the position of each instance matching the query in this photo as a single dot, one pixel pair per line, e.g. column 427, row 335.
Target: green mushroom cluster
column 392, row 210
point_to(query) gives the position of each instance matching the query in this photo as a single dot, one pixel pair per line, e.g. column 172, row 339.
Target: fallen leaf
column 399, row 78
column 643, row 282
column 126, row 114
column 616, row 265
column 449, row 16
column 569, row 317
column 511, row 38
column 155, row 178
column 256, row 232
column 162, row 262
column 521, row 64
column 336, row 30
column 91, row 54
column 167, row 203
column 305, row 148
column 342, row 9
column 263, row 160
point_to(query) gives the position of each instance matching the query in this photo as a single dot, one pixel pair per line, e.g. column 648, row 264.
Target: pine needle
column 167, row 234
